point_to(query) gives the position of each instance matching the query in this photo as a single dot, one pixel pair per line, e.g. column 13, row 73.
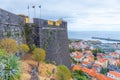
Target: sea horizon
column 87, row 35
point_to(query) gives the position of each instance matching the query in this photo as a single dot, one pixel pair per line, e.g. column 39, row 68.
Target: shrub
column 9, row 45
column 63, row 73
column 24, row 48
column 9, row 67
column 39, row 55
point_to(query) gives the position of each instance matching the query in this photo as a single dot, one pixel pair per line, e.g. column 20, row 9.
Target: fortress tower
column 53, row 37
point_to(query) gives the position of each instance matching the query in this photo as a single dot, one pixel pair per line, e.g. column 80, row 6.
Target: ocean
column 87, row 35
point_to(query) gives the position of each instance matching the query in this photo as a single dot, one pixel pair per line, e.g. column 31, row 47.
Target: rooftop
column 102, row 77
column 76, row 67
column 117, row 74
column 92, row 73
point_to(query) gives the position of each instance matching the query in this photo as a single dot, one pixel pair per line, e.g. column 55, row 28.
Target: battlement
column 50, row 23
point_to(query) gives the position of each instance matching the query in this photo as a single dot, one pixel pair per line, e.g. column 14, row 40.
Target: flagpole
column 28, row 12
column 40, row 22
column 40, row 14
column 40, row 11
column 34, row 11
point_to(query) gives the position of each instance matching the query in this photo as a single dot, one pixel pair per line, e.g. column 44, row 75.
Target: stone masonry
column 54, row 39
column 11, row 26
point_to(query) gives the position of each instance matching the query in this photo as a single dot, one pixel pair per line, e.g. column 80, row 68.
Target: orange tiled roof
column 86, row 70
column 102, row 77
column 98, row 65
column 85, row 62
column 118, row 62
column 76, row 67
column 79, row 56
column 91, row 72
column 117, row 74
column 91, row 59
column 102, row 60
column 78, row 53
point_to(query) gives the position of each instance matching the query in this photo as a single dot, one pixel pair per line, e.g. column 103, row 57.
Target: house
column 87, row 64
column 92, row 73
column 88, row 52
column 102, row 77
column 118, row 63
column 77, row 56
column 76, row 67
column 97, row 67
column 113, row 68
column 114, row 75
column 103, row 62
column 114, row 55
column 115, row 62
column 76, row 53
column 83, row 45
column 89, row 59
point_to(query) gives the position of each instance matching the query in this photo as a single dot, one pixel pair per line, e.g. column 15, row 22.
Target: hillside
column 45, row 70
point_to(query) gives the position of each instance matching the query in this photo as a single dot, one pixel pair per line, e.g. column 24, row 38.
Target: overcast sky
column 81, row 15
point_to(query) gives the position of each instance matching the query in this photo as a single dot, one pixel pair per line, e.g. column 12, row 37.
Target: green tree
column 71, row 50
column 95, row 58
column 99, row 50
column 9, row 45
column 39, row 55
column 80, row 50
column 79, row 75
column 63, row 73
column 9, row 67
column 103, row 71
column 94, row 52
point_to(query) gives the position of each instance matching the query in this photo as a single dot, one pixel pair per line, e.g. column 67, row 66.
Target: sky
column 81, row 15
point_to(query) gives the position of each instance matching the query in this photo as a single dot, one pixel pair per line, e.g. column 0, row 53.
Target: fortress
column 49, row 35
column 52, row 36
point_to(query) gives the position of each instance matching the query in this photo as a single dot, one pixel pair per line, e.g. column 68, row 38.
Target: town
column 60, row 40
column 99, row 61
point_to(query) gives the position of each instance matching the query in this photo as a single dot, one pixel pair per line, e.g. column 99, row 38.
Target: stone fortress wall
column 50, row 35
column 11, row 26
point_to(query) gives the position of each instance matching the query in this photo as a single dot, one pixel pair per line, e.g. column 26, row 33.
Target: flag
column 28, row 7
column 40, row 6
column 33, row 6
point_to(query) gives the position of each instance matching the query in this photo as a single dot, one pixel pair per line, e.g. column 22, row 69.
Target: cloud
column 81, row 15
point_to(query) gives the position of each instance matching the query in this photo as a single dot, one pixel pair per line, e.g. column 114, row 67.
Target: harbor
column 107, row 39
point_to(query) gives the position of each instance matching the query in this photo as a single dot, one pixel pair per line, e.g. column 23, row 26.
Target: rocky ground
column 46, row 71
